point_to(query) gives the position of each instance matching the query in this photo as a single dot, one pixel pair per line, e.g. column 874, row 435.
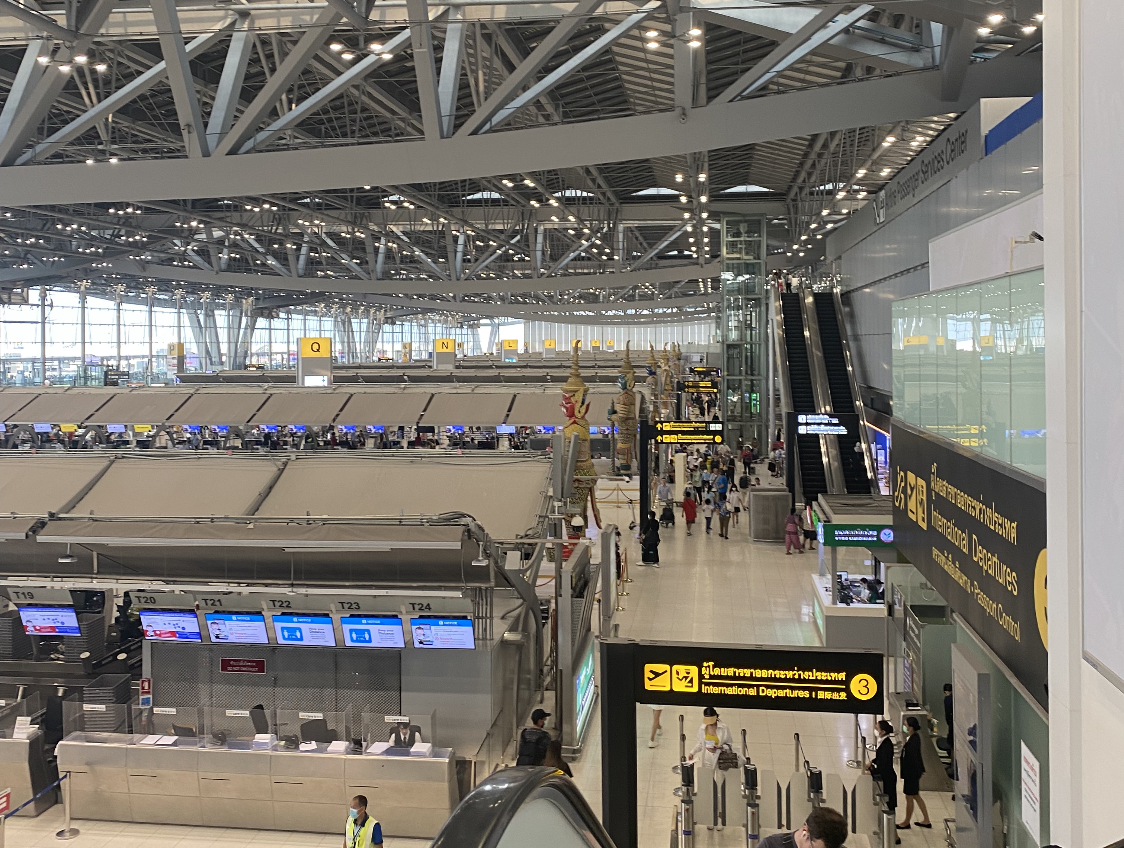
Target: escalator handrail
column 479, row 821
column 852, row 378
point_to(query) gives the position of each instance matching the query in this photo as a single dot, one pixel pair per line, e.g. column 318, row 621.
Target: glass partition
column 181, row 726
column 228, row 727
column 969, row 364
column 96, row 722
column 312, row 731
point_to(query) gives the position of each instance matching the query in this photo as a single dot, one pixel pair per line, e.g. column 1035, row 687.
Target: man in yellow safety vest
column 362, row 830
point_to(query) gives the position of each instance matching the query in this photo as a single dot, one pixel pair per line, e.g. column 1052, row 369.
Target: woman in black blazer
column 882, row 768
column 913, row 766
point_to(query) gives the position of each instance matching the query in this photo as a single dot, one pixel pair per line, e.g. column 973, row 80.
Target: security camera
column 1037, row 236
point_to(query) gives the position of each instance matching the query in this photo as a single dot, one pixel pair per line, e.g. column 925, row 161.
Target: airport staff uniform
column 366, row 835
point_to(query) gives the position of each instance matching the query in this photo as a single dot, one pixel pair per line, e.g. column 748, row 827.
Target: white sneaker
column 652, row 743
column 720, row 827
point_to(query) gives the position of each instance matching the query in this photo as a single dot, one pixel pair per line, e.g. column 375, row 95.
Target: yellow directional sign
column 444, row 345
column 175, row 348
column 313, row 347
column 595, row 344
column 511, row 344
column 657, row 677
column 549, row 344
column 689, row 432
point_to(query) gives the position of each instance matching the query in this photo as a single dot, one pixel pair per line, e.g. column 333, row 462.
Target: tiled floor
column 707, row 589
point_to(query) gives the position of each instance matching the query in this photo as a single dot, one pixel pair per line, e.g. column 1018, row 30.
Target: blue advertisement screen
column 170, row 625
column 584, row 690
column 431, row 632
column 50, row 621
column 346, row 428
column 366, row 631
column 506, row 429
column 237, row 628
column 312, row 630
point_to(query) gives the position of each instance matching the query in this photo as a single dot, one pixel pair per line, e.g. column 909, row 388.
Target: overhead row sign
column 689, row 432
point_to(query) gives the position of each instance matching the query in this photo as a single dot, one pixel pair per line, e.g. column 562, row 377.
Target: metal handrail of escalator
column 781, row 352
column 860, row 407
column 482, row 818
column 829, row 445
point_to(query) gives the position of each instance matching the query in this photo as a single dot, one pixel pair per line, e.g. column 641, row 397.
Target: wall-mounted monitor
column 115, row 428
column 191, row 428
column 170, row 625
column 297, row 428
column 433, row 632
column 371, row 631
column 237, row 628
column 345, row 428
column 50, row 621
column 455, row 428
column 376, row 428
column 221, row 429
column 305, row 630
column 506, row 429
column 267, row 428
column 545, row 430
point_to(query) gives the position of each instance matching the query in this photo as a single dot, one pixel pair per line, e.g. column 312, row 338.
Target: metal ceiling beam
column 448, row 85
column 425, row 67
column 798, row 113
column 325, row 95
column 30, row 70
column 50, row 84
column 661, row 244
column 286, row 72
column 180, row 78
column 84, row 122
column 230, row 83
column 350, row 13
column 792, row 49
column 266, row 282
column 38, row 22
column 768, row 20
column 529, row 67
column 956, row 54
column 572, row 64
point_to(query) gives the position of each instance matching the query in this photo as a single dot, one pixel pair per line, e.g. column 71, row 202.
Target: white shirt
column 709, row 757
column 734, row 499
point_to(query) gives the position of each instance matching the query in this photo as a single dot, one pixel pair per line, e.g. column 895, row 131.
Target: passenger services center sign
column 807, row 680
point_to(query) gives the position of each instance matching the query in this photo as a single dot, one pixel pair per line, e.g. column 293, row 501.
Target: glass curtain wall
column 969, row 364
column 743, row 327
column 695, row 334
column 55, row 338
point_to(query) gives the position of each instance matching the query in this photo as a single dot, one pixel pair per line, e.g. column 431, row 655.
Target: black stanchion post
column 645, row 455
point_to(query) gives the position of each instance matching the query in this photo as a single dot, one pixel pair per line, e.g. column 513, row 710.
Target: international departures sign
column 803, row 680
column 979, row 536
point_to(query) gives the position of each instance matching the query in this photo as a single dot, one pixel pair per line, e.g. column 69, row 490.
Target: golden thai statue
column 622, row 412
column 575, row 403
column 667, row 380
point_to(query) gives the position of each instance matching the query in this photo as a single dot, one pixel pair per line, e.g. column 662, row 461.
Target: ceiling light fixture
column 996, row 18
column 694, row 31
column 652, row 45
column 1029, row 29
column 335, row 47
column 652, row 33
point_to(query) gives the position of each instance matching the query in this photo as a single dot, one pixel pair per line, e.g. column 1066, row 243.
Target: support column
column 82, row 330
column 1083, row 119
column 42, row 335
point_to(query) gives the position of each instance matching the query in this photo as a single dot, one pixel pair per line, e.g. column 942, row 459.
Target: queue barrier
column 67, row 832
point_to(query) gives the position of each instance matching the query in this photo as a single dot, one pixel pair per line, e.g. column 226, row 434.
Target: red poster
column 236, row 665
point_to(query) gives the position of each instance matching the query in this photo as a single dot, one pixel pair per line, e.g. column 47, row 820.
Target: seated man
column 824, row 828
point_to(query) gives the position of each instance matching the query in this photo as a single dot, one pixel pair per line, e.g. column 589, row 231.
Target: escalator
column 523, row 807
column 809, row 452
column 841, row 387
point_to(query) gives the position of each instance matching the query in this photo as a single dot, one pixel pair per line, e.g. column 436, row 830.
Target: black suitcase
column 667, row 517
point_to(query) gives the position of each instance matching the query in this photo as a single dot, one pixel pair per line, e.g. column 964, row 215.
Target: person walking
column 723, row 517
column 824, row 828
column 533, row 741
column 734, row 499
column 553, row 759
column 361, row 830
column 714, row 738
column 690, row 510
column 913, row 767
column 650, row 541
column 792, row 533
column 882, row 768
column 657, row 728
column 708, row 513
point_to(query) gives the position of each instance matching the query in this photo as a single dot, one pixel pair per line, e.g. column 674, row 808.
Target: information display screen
column 506, row 429
column 313, row 630
column 170, row 625
column 430, row 632
column 50, row 621
column 364, row 631
column 237, row 628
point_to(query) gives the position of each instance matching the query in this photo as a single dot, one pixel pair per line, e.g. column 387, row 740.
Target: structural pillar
column 1082, row 186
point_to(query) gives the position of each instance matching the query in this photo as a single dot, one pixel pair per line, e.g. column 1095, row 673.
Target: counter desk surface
column 116, row 779
column 858, row 626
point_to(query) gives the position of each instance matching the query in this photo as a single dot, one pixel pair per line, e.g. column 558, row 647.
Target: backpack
column 533, row 742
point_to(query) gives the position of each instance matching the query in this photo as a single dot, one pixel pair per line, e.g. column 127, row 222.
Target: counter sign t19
column 689, row 432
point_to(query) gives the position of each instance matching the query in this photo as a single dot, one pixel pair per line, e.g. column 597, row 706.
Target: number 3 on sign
column 864, row 687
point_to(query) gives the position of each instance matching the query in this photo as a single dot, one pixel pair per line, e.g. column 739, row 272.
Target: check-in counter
column 24, row 769
column 858, row 626
column 117, row 780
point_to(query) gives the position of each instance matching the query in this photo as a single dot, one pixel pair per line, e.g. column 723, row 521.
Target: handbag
column 727, row 760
